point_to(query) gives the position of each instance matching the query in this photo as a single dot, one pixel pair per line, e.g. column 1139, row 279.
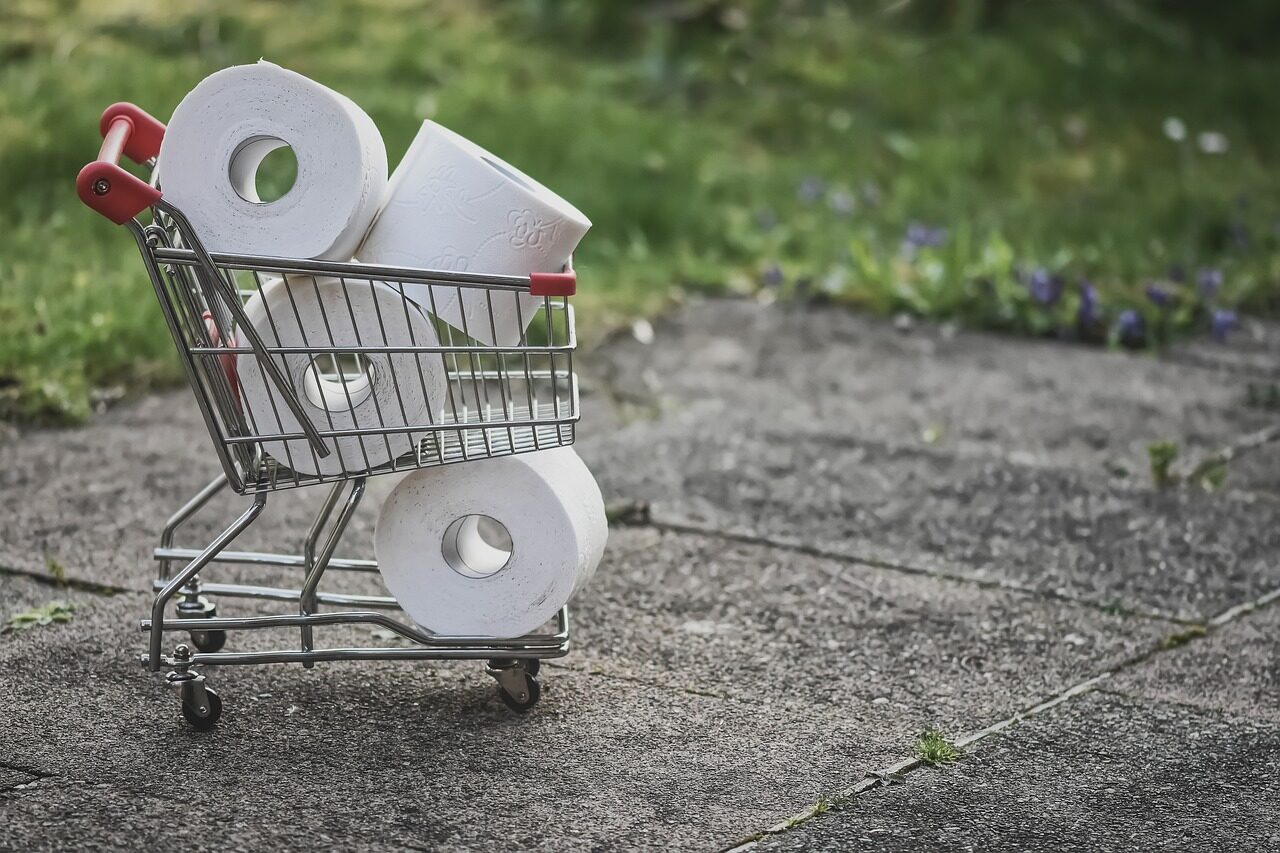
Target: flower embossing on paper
column 443, row 191
column 450, row 260
column 527, row 230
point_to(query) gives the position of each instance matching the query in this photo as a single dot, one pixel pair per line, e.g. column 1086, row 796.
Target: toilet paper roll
column 451, row 205
column 436, row 562
column 230, row 121
column 390, row 390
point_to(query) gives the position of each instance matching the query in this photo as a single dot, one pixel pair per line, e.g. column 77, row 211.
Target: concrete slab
column 1184, row 553
column 1100, row 773
column 388, row 755
column 774, row 626
column 722, row 681
column 1030, row 402
column 1236, row 670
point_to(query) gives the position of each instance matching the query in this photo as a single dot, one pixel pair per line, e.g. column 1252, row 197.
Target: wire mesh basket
column 490, row 400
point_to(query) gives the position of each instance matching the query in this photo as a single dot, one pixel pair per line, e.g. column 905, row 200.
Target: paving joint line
column 78, row 584
column 1176, row 703
column 677, row 526
column 35, row 774
column 897, row 772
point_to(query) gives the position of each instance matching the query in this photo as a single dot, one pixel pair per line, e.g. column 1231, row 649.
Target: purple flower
column 1089, row 314
column 772, row 276
column 810, row 189
column 1131, row 328
column 1177, row 274
column 1223, row 323
column 1240, row 235
column 842, row 202
column 1209, row 280
column 1045, row 289
column 919, row 236
column 1158, row 295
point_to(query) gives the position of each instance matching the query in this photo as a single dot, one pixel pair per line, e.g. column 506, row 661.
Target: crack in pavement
column 897, row 772
column 681, row 526
column 75, row 583
column 33, row 776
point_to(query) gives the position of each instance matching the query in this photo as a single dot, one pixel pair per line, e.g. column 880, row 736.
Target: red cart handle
column 102, row 184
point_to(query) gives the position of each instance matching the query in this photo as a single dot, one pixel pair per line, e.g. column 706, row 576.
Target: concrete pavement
column 845, row 534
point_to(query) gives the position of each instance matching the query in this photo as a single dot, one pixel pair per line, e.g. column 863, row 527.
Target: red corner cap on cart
column 113, row 192
column 553, row 283
column 146, row 132
column 102, row 185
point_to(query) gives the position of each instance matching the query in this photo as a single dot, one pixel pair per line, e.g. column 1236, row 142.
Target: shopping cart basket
column 498, row 400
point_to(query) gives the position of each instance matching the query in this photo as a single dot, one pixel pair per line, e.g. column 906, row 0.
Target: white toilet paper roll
column 226, row 125
column 451, row 205
column 434, row 559
column 375, row 390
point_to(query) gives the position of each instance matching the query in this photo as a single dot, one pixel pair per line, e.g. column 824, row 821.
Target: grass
column 717, row 146
column 56, row 570
column 933, row 747
column 1162, row 455
column 1181, row 638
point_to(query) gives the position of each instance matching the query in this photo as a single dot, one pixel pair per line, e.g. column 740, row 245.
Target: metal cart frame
column 203, row 297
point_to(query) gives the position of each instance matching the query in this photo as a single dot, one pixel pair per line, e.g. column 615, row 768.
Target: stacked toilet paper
column 493, row 547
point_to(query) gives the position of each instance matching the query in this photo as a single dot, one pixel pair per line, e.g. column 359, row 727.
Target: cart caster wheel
column 209, row 641
column 201, row 718
column 521, row 704
column 532, row 666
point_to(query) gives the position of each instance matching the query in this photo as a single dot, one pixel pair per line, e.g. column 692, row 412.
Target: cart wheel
column 201, row 719
column 209, row 641
column 533, row 692
column 532, row 665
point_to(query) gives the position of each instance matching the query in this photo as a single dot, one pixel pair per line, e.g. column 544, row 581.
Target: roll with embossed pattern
column 230, row 122
column 384, row 394
column 492, row 547
column 451, row 205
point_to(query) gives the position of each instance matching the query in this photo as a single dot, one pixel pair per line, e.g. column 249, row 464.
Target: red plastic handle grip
column 553, row 283
column 102, row 185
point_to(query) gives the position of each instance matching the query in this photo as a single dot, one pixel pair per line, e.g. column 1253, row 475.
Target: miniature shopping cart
column 500, row 400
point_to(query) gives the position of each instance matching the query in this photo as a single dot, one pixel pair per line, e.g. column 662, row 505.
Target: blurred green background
column 975, row 160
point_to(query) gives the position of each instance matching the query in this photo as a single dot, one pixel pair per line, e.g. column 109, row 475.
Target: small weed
column 933, row 747
column 628, row 513
column 54, row 611
column 1181, row 638
column 1116, row 607
column 1162, row 455
column 56, row 570
column 821, row 806
column 1212, row 476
